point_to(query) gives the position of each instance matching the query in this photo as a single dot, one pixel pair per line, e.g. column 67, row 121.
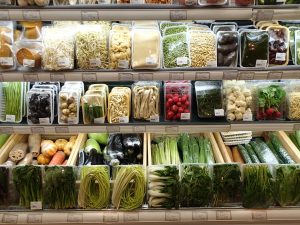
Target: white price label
column 10, row 118
column 10, row 218
column 35, row 218
column 202, row 75
column 185, row 116
column 95, row 62
column 111, row 217
column 212, row 63
column 6, row 61
column 75, row 218
column 123, row 64
column 223, row 215
column 89, row 15
column 31, row 15
column 248, row 117
column 154, row 118
column 73, row 120
column 89, row 77
column 44, row 120
column 61, row 130
column 219, row 112
column 151, row 61
column 261, row 63
column 280, row 56
column 199, row 215
column 181, row 61
column 4, row 15
column 99, row 120
column 124, row 119
column 131, row 217
column 36, row 205
column 63, row 62
column 178, row 14
column 28, row 63
column 172, row 216
column 259, row 215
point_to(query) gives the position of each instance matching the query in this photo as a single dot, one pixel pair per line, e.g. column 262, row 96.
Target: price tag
column 172, row 216
column 275, row 75
column 185, row 116
column 154, row 118
column 145, row 76
column 199, row 215
column 6, row 130
column 28, row 63
column 123, row 64
column 63, row 62
column 223, row 215
column 4, row 15
column 219, row 112
column 190, row 2
column 151, row 61
column 62, row 130
column 6, row 61
column 58, row 77
column 230, row 75
column 89, row 77
column 95, row 62
column 264, row 15
column 280, row 56
column 75, row 218
column 176, row 75
column 246, row 75
column 37, row 130
column 111, row 217
column 181, row 61
column 35, row 218
column 36, row 205
column 112, row 129
column 212, row 63
column 124, row 119
column 139, row 129
column 99, row 120
column 44, row 120
column 178, row 15
column 131, row 217
column 261, row 63
column 28, row 77
column 248, row 117
column 10, row 118
column 171, row 129
column 260, row 215
column 89, row 15
column 10, row 218
column 202, row 76
column 31, row 15
column 125, row 76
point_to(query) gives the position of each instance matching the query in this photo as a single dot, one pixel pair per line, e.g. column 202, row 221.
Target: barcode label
column 212, row 63
column 280, row 56
column 63, row 62
column 261, row 63
column 28, row 63
column 154, row 118
column 150, row 60
column 219, row 112
column 185, row 116
column 99, row 120
column 248, row 117
column 6, row 61
column 44, row 120
column 95, row 62
column 182, row 61
column 11, row 118
column 123, row 64
column 124, row 119
column 36, row 205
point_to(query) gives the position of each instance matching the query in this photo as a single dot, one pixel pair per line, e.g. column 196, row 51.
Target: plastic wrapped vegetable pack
column 119, row 105
column 129, row 187
column 227, row 185
column 176, row 51
column 292, row 31
column 91, row 47
column 196, row 185
column 60, row 182
column 209, row 99
column 7, row 61
column 254, row 48
column 278, row 45
column 146, row 56
column 69, row 100
column 203, row 48
column 297, row 47
column 58, row 52
column 145, row 100
column 28, row 55
column 28, row 183
column 227, row 48
column 257, row 186
column 175, row 30
column 4, row 186
column 163, row 187
column 94, row 187
column 11, row 97
column 239, row 100
column 293, row 101
column 271, row 99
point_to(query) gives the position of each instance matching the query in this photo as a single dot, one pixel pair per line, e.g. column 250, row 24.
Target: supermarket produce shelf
column 149, row 12
column 220, row 73
column 162, row 127
column 189, row 216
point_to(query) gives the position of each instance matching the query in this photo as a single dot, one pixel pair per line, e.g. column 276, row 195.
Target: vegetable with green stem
column 4, row 185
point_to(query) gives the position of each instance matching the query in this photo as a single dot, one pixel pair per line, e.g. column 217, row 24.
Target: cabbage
column 101, row 138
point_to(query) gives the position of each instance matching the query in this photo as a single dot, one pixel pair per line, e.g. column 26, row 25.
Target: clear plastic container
column 176, row 51
column 239, row 100
column 254, row 48
column 94, row 2
column 271, row 101
column 293, row 100
column 31, row 30
column 119, row 105
column 93, row 108
column 292, row 31
column 242, row 2
column 28, row 55
column 203, row 49
column 165, row 24
column 5, row 188
column 212, row 2
column 146, row 101
column 297, row 47
column 146, row 56
column 65, row 2
column 7, row 58
column 279, row 38
column 177, row 100
column 270, row 2
column 8, row 2
column 69, row 102
column 228, row 42
column 175, row 30
column 223, row 26
column 209, row 99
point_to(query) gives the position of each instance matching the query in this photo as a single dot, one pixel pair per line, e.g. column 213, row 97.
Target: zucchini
column 271, row 146
column 244, row 154
column 264, row 153
column 285, row 157
column 252, row 154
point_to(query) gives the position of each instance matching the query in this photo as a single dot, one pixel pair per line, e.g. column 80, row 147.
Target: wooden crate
column 19, row 138
column 216, row 151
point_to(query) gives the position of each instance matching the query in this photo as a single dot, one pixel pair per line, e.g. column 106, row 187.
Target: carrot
column 58, row 158
column 236, row 155
column 229, row 152
column 65, row 162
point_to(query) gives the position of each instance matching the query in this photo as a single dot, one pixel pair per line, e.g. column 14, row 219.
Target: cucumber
column 271, row 146
column 244, row 154
column 263, row 152
column 284, row 156
column 252, row 154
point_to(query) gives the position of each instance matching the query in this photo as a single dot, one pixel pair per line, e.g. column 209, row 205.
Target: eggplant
column 113, row 153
